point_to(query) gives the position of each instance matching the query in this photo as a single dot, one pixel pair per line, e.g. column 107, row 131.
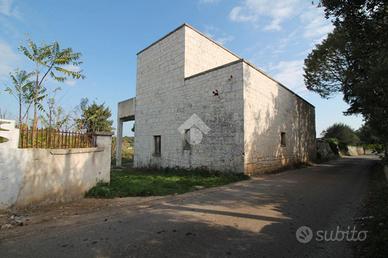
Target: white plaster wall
column 10, row 133
column 270, row 109
column 10, row 178
column 41, row 176
column 202, row 54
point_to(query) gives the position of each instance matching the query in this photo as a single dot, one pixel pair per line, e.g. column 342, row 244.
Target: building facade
column 198, row 105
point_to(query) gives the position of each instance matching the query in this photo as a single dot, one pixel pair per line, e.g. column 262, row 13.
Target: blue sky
column 274, row 35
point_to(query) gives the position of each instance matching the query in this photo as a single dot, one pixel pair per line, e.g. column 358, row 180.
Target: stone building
column 198, row 105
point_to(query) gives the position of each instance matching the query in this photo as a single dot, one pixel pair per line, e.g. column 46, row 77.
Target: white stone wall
column 42, row 176
column 165, row 100
column 270, row 109
column 202, row 54
column 355, row 150
column 222, row 148
column 176, row 77
column 160, row 71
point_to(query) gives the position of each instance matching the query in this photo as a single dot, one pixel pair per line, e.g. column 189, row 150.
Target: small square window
column 157, row 145
column 283, row 139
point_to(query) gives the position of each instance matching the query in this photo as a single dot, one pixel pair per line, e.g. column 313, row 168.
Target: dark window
column 157, row 145
column 186, row 144
column 283, row 139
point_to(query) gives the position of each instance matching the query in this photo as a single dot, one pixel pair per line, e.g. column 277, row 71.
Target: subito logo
column 304, row 234
column 193, row 129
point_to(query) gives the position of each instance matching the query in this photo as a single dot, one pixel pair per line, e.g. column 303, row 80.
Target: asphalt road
column 255, row 218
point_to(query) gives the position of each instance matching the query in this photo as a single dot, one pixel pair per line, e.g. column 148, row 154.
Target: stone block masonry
column 256, row 124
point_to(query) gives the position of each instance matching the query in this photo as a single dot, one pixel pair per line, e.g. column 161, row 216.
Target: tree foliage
column 54, row 115
column 367, row 135
column 369, row 138
column 344, row 134
column 94, row 117
column 50, row 61
column 21, row 90
column 353, row 60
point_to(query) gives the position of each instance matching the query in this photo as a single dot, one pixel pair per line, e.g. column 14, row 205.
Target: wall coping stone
column 75, row 151
column 103, row 133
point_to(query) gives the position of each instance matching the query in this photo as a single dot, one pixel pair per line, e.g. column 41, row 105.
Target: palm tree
column 50, row 61
column 21, row 90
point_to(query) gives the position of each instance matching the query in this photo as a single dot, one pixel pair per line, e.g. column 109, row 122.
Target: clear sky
column 276, row 36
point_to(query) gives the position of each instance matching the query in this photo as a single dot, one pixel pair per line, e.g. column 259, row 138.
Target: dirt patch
column 13, row 218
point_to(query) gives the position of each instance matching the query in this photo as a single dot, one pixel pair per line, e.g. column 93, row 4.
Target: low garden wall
column 41, row 176
column 328, row 151
column 355, row 150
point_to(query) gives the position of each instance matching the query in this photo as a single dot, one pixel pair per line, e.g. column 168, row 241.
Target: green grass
column 134, row 182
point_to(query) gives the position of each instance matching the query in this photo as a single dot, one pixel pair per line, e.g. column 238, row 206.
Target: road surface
column 254, row 218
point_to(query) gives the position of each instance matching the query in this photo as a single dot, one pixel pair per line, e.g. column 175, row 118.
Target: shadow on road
column 255, row 218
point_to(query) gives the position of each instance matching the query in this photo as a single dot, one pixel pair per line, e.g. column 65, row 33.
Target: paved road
column 255, row 218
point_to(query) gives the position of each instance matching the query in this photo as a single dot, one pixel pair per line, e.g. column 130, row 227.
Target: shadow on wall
column 281, row 116
column 5, row 131
column 2, row 139
column 56, row 178
column 42, row 176
column 38, row 177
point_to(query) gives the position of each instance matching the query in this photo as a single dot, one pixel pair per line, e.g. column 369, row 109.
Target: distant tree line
column 343, row 135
